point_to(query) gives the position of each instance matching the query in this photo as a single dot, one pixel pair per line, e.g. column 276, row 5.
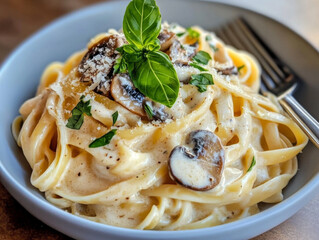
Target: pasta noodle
column 127, row 182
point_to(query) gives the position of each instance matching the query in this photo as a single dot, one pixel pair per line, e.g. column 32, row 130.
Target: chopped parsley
column 240, row 67
column 215, row 49
column 202, row 57
column 104, row 140
column 77, row 118
column 149, row 110
column 201, row 81
column 115, row 116
column 196, row 65
column 253, row 163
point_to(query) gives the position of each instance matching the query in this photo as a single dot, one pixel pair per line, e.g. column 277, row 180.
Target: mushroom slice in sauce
column 166, row 39
column 228, row 71
column 182, row 54
column 200, row 168
column 97, row 63
column 159, row 112
column 124, row 92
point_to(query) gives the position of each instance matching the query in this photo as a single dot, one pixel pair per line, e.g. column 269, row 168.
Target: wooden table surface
column 19, row 19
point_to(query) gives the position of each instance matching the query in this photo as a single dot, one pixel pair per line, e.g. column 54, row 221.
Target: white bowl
column 19, row 77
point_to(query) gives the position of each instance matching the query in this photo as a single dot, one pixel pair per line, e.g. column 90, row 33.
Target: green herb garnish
column 151, row 71
column 115, row 116
column 196, row 65
column 104, row 140
column 240, row 68
column 253, row 163
column 180, row 34
column 208, row 38
column 142, row 22
column 149, row 111
column 77, row 118
column 202, row 57
column 215, row 49
column 201, row 81
column 192, row 33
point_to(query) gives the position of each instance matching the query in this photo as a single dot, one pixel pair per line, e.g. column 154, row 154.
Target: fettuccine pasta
column 127, row 182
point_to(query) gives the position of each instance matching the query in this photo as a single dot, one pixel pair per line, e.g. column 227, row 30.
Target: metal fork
column 276, row 76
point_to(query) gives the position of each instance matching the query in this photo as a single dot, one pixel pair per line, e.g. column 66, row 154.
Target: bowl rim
column 25, row 198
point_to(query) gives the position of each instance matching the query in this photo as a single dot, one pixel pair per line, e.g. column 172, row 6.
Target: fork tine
column 251, row 36
column 251, row 48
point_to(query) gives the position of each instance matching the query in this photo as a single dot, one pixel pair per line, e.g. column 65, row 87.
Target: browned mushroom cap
column 199, row 169
column 182, row 54
column 166, row 39
column 228, row 71
column 158, row 111
column 124, row 92
column 97, row 63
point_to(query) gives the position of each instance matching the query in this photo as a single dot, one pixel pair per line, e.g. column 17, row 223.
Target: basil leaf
column 77, row 118
column 104, row 140
column 240, row 68
column 119, row 66
column 201, row 81
column 154, row 46
column 200, row 68
column 192, row 33
column 253, row 163
column 202, row 57
column 115, row 116
column 156, row 78
column 149, row 111
column 142, row 22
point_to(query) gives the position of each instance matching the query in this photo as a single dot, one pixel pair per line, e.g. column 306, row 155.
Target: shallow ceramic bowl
column 19, row 77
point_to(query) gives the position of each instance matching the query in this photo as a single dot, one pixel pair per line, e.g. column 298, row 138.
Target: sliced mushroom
column 228, row 71
column 96, row 65
column 166, row 39
column 124, row 92
column 182, row 54
column 200, row 168
column 158, row 110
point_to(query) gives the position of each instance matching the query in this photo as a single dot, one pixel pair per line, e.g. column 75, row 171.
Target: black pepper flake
column 79, row 174
column 111, row 156
column 116, row 199
column 107, row 167
column 118, row 159
column 159, row 162
column 136, row 176
column 121, row 216
column 165, row 152
column 127, row 198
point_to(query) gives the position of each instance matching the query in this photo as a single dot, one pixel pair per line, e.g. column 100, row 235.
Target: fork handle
column 305, row 121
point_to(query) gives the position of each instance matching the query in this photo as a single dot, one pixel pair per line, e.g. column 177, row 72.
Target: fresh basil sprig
column 151, row 71
column 104, row 140
column 201, row 81
column 155, row 77
column 77, row 118
column 142, row 22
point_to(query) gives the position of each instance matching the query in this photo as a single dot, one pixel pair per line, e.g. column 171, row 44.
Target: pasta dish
column 162, row 131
